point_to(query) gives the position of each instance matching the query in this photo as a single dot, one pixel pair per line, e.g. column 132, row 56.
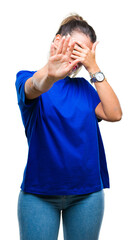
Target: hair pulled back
column 75, row 22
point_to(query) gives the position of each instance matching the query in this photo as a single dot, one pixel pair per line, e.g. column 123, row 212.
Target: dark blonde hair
column 75, row 22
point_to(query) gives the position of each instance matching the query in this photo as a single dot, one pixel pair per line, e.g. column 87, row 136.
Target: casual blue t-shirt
column 65, row 150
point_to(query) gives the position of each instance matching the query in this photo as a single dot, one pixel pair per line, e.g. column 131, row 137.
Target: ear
column 56, row 40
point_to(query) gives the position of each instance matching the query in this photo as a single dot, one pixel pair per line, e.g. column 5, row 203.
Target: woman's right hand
column 59, row 64
column 58, row 67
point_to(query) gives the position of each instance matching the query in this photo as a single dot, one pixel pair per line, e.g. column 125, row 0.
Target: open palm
column 59, row 64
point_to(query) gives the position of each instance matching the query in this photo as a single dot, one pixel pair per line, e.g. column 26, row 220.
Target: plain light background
column 27, row 29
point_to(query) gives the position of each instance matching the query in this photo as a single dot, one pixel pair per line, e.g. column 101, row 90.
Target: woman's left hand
column 104, row 110
column 85, row 54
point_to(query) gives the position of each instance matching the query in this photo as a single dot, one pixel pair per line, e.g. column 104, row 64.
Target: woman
column 66, row 168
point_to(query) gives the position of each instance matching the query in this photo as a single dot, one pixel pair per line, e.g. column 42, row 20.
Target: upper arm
column 100, row 112
column 25, row 90
column 96, row 103
column 28, row 107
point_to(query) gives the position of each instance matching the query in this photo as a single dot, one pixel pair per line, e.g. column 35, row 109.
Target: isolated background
column 27, row 29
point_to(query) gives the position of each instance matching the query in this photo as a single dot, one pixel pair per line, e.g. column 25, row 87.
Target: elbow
column 117, row 117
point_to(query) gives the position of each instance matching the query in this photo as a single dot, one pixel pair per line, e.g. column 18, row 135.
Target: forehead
column 78, row 36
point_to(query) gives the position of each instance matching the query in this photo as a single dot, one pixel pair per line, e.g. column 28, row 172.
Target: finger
column 94, row 46
column 52, row 50
column 76, row 57
column 76, row 53
column 60, row 46
column 73, row 64
column 78, row 48
column 82, row 45
column 66, row 43
column 70, row 49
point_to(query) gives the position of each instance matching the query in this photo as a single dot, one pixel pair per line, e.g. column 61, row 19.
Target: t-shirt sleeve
column 28, row 107
column 95, row 98
column 21, row 78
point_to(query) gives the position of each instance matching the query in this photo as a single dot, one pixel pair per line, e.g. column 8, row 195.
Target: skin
column 109, row 108
column 60, row 62
column 66, row 53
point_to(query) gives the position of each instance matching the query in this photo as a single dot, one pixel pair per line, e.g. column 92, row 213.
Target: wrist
column 94, row 68
column 96, row 75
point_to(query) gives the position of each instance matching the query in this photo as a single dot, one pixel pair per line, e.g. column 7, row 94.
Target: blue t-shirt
column 65, row 150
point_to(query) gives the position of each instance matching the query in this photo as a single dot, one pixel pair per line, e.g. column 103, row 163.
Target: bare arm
column 57, row 68
column 109, row 108
column 38, row 83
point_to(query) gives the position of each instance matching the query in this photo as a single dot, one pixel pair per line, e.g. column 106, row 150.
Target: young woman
column 66, row 169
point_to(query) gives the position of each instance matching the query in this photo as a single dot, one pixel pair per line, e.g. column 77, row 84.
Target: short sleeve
column 28, row 107
column 95, row 98
column 21, row 78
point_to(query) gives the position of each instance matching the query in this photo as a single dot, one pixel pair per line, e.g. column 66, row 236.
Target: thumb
column 94, row 46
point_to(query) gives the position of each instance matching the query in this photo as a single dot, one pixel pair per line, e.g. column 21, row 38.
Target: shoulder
column 22, row 76
column 24, row 72
column 87, row 84
column 82, row 81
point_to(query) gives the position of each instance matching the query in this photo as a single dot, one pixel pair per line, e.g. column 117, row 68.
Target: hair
column 75, row 22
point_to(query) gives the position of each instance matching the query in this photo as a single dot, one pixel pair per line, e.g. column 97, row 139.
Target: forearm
column 38, row 84
column 41, row 81
column 109, row 100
